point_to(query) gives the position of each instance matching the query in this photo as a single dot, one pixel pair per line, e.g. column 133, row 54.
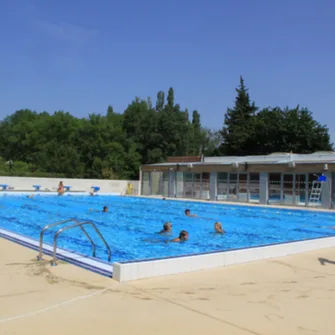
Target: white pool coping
column 127, row 271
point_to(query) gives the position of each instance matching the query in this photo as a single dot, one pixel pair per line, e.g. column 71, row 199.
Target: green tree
column 237, row 130
column 160, row 101
column 289, row 130
column 212, row 141
column 113, row 145
column 170, row 98
column 141, row 127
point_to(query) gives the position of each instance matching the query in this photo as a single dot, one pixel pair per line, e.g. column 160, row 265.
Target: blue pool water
column 131, row 225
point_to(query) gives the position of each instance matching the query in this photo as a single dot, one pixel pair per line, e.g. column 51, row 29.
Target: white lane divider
column 64, row 303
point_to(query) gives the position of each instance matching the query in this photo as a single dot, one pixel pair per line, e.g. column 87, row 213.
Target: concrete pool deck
column 289, row 295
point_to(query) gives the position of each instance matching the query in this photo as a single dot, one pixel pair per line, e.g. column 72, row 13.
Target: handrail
column 89, row 238
column 40, row 254
column 76, row 225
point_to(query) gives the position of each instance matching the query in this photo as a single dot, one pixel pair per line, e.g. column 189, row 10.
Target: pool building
column 277, row 179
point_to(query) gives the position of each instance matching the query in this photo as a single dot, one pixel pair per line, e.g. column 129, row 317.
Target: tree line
column 113, row 145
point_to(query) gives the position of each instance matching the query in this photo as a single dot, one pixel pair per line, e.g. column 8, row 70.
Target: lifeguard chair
column 315, row 196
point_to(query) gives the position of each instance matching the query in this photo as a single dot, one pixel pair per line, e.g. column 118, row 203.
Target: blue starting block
column 67, row 188
column 95, row 188
column 322, row 179
column 37, row 187
column 4, row 187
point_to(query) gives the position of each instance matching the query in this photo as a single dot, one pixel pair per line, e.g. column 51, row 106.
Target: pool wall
column 84, row 185
column 127, row 271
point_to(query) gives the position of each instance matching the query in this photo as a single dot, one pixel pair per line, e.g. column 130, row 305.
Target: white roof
column 275, row 158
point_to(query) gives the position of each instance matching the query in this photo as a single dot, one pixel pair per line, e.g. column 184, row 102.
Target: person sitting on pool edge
column 188, row 213
column 218, row 228
column 183, row 236
column 60, row 189
column 167, row 228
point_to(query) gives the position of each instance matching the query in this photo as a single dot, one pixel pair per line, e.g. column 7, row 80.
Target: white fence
column 106, row 186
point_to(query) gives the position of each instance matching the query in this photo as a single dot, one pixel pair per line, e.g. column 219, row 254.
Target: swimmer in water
column 104, row 210
column 188, row 213
column 30, row 196
column 183, row 236
column 167, row 228
column 218, row 228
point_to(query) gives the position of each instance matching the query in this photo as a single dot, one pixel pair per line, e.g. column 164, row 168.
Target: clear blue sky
column 83, row 55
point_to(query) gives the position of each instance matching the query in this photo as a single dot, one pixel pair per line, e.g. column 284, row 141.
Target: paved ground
column 292, row 295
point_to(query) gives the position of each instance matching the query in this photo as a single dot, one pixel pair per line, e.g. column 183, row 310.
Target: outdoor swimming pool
column 131, row 225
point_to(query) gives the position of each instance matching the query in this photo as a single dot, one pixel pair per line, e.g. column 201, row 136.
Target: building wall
column 290, row 187
column 106, row 186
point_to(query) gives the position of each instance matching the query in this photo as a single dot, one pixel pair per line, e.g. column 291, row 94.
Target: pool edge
column 51, row 193
column 87, row 263
column 238, row 204
column 129, row 271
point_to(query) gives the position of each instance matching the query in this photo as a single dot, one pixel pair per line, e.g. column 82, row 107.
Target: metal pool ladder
column 76, row 224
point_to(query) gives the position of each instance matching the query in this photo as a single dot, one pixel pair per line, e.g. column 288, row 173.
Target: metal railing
column 40, row 254
column 77, row 224
column 80, row 224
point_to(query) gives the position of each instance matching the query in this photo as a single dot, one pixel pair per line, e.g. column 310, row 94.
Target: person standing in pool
column 183, row 236
column 60, row 189
column 218, row 228
column 188, row 213
column 167, row 228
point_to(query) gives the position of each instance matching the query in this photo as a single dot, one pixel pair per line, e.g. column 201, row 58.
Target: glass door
column 254, row 187
column 188, row 185
column 300, row 190
column 197, row 185
column 288, row 189
column 222, row 186
column 233, row 184
column 243, row 187
column 274, row 188
column 205, row 185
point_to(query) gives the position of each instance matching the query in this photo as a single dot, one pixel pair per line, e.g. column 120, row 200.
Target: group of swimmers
column 183, row 235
